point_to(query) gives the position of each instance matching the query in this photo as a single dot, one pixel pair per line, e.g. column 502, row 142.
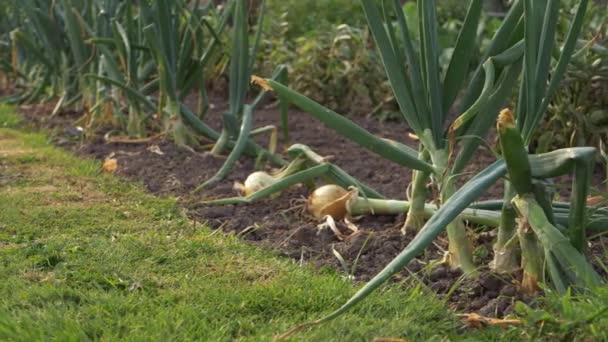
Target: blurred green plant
column 312, row 17
column 335, row 66
column 578, row 115
column 324, row 52
column 331, row 57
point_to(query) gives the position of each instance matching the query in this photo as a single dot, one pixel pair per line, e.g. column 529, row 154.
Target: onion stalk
column 415, row 215
column 373, row 206
column 532, row 257
column 520, row 174
column 506, row 254
column 338, row 202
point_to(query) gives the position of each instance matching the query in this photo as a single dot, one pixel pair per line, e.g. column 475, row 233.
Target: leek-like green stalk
column 568, row 266
column 514, row 153
column 520, row 177
column 506, row 252
column 460, row 247
column 416, row 212
column 532, row 257
column 577, row 219
column 239, row 75
column 376, row 206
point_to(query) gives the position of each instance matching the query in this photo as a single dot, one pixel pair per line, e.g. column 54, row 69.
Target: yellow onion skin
column 256, row 181
column 330, row 200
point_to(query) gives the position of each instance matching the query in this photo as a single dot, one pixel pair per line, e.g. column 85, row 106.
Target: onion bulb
column 254, row 182
column 260, row 179
column 330, row 200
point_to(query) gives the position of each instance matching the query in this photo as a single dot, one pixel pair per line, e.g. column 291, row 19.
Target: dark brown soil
column 282, row 223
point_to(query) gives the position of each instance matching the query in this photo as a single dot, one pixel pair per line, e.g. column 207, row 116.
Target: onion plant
column 128, row 63
column 170, row 40
column 426, row 95
column 132, row 64
column 237, row 121
column 161, row 48
column 39, row 51
column 522, row 49
column 539, row 83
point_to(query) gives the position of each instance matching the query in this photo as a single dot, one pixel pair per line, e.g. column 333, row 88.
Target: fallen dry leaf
column 477, row 321
column 110, row 165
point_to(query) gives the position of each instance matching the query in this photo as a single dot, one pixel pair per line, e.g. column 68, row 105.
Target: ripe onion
column 330, row 200
column 254, row 182
column 260, row 179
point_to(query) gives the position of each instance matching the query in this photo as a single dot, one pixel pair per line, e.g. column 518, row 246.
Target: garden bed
column 283, row 224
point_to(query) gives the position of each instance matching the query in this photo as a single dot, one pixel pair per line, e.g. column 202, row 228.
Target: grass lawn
column 85, row 255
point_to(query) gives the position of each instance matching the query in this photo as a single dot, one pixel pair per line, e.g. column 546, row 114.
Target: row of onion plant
column 131, row 64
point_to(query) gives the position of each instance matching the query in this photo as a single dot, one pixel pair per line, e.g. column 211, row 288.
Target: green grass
column 86, row 256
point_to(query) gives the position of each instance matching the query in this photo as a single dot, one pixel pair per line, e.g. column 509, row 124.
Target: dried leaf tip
column 261, row 82
column 505, row 119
